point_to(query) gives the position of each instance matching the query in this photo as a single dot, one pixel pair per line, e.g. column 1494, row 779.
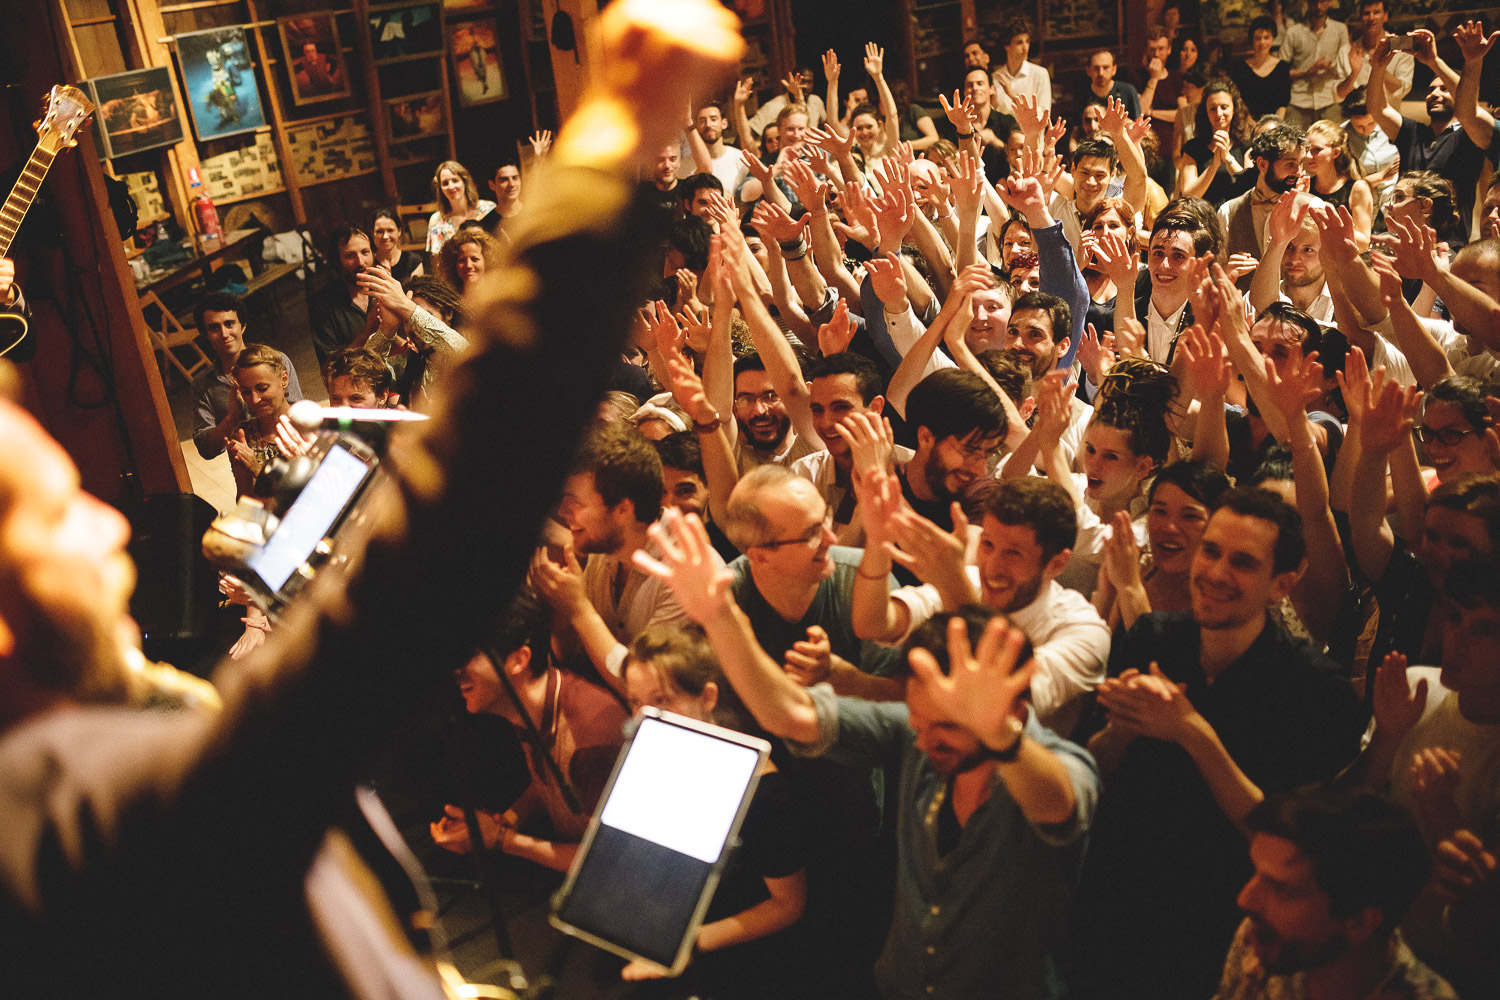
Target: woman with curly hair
column 466, row 256
column 1215, row 164
column 1337, row 179
column 458, row 202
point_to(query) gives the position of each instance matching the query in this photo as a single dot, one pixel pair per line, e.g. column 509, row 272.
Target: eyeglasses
column 747, row 400
column 1451, row 437
column 807, row 537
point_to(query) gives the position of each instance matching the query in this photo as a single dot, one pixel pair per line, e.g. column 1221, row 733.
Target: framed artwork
column 314, row 58
column 137, row 111
column 468, row 5
column 218, row 82
column 405, row 31
column 415, row 116
column 475, row 49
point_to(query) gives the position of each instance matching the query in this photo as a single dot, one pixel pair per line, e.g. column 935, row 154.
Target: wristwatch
column 710, row 426
column 1013, row 725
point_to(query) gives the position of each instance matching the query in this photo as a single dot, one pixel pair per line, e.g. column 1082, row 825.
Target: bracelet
column 871, row 576
column 799, row 245
column 789, row 257
column 709, row 426
column 963, row 135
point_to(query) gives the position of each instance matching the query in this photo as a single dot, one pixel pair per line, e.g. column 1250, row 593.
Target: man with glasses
column 763, row 433
column 959, row 422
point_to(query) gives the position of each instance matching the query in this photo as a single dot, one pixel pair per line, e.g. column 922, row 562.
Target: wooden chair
column 171, row 335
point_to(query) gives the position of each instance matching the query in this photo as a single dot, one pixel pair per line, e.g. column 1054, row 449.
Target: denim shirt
column 982, row 920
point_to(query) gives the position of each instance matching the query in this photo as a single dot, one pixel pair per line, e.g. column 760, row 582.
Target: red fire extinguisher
column 208, row 216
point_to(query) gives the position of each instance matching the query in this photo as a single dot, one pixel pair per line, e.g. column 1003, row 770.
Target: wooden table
column 205, row 254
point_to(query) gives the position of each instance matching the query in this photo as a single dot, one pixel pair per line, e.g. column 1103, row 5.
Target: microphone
column 308, row 417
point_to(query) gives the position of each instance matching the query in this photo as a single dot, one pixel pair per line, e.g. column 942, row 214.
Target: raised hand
column 1473, row 42
column 773, row 223
column 1031, row 117
column 871, row 443
column 687, row 388
column 1118, row 260
column 859, row 211
column 1116, row 119
column 1381, row 54
column 1137, row 129
column 894, row 213
column 960, row 113
column 811, row 190
column 756, row 169
column 888, row 281
column 743, row 89
column 874, row 60
column 809, row 661
column 835, row 145
column 1205, row 361
column 697, row 325
column 1303, row 384
column 878, row 494
column 794, row 90
column 1425, row 51
column 984, row 684
column 689, row 565
column 1122, row 556
column 1390, row 418
column 1336, row 233
column 662, row 329
column 541, row 143
column 831, row 66
column 834, row 336
column 1287, row 216
column 934, row 555
column 1413, row 249
column 1397, row 706
column 1096, row 355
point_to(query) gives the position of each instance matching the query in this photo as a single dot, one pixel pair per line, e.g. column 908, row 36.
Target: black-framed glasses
column 807, row 537
column 1452, row 437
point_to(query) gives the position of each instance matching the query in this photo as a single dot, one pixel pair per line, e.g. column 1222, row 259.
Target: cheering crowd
column 1099, row 507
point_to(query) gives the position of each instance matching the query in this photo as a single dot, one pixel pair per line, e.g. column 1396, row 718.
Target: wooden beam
column 278, row 128
column 379, row 127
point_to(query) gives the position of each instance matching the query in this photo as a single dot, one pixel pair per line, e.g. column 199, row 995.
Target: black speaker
column 177, row 590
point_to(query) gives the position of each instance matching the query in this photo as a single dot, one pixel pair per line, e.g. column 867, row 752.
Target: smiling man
column 1277, row 155
column 1164, row 855
column 217, row 406
column 607, row 505
column 959, row 422
column 1334, row 873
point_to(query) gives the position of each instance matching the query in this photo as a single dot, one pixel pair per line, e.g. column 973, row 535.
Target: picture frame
column 218, row 82
column 137, row 110
column 315, row 64
column 415, row 116
column 474, row 48
column 404, row 31
column 468, row 6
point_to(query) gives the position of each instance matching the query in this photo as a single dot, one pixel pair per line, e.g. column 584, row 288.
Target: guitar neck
column 21, row 196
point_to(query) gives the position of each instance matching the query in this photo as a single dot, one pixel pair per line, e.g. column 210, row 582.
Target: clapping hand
column 1151, row 705
column 809, row 661
column 1462, row 864
column 1434, row 789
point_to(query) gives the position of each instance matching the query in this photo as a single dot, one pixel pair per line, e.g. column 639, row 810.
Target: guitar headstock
column 65, row 111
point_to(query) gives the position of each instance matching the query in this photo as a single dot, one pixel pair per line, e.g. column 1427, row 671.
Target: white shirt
column 1160, row 330
column 1402, row 67
column 1069, row 639
column 1301, row 46
column 1322, row 306
column 818, row 469
column 1030, row 80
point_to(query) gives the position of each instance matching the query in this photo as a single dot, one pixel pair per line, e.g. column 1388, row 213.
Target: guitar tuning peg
column 72, row 143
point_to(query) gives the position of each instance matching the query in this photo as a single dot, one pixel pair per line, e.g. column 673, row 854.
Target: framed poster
column 314, row 58
column 218, row 81
column 475, row 50
column 415, row 116
column 137, row 110
column 405, row 31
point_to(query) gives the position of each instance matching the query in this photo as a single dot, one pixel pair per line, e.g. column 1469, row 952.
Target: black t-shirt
column 1224, row 185
column 667, row 202
column 995, row 164
column 1452, row 154
column 1263, row 95
column 1121, row 91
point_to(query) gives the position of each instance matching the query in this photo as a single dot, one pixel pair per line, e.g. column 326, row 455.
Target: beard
column 1281, row 185
column 1287, row 957
column 764, row 436
column 1308, row 277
